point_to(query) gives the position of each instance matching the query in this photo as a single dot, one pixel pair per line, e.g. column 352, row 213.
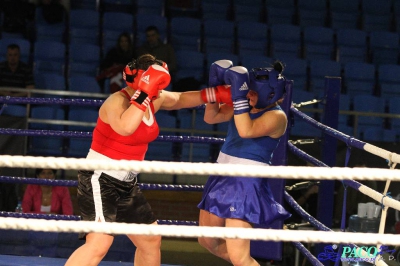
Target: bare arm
column 123, row 117
column 216, row 113
column 178, row 100
column 271, row 124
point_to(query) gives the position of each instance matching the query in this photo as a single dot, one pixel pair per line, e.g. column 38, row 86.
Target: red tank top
column 115, row 146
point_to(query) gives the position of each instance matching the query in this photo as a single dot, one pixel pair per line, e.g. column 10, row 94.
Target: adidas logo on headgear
column 145, row 79
column 244, row 87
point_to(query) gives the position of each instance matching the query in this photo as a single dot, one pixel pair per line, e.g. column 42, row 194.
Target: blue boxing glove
column 216, row 78
column 217, row 72
column 238, row 78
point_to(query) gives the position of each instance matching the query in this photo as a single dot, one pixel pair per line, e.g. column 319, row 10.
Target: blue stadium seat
column 379, row 134
column 319, row 69
column 252, row 37
column 112, row 30
column 388, row 80
column 218, row 35
column 318, row 43
column 45, row 31
column 285, row 40
column 15, row 110
column 190, row 68
column 244, row 12
column 351, row 45
column 279, row 15
column 84, row 59
column 155, row 7
column 359, row 78
column 49, row 56
column 214, row 10
column 162, row 150
column 303, row 129
column 185, row 33
column 251, row 61
column 376, row 15
column 82, row 25
column 50, row 81
column 384, row 47
column 312, row 13
column 296, row 70
column 46, row 145
column 81, row 83
column 369, row 103
column 24, row 47
column 344, row 14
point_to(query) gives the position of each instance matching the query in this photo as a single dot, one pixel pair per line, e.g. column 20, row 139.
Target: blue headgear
column 269, row 85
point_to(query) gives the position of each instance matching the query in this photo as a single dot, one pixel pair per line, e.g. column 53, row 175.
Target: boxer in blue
column 256, row 123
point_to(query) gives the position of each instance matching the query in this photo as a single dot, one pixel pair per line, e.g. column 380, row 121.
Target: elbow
column 244, row 134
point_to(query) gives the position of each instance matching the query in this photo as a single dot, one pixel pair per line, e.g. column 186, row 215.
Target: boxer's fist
column 217, row 72
column 238, row 78
column 218, row 94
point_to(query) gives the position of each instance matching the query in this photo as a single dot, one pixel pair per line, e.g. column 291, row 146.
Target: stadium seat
column 318, row 43
column 218, row 35
column 185, row 33
column 384, row 47
column 155, row 7
column 319, row 69
column 285, row 40
column 189, row 68
column 376, row 15
column 359, row 78
column 252, row 38
column 388, row 80
column 351, row 45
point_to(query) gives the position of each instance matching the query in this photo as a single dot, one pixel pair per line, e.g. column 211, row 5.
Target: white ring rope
column 201, row 231
column 285, row 172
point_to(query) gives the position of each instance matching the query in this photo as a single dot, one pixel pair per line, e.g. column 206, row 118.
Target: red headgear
column 133, row 71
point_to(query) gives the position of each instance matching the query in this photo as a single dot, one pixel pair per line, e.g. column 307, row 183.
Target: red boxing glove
column 155, row 78
column 218, row 94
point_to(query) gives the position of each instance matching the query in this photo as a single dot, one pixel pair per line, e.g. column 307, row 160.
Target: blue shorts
column 248, row 199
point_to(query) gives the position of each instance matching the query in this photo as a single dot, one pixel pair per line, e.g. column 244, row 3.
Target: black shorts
column 104, row 198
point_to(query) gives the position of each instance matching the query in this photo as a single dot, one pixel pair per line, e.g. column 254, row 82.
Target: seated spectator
column 115, row 61
column 47, row 199
column 15, row 73
column 155, row 46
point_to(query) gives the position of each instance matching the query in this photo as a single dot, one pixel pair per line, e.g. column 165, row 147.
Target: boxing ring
column 267, row 242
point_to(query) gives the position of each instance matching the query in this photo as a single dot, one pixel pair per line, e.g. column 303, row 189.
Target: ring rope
column 284, row 172
column 275, row 235
column 83, row 134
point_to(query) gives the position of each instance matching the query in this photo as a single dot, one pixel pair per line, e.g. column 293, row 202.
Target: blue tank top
column 256, row 149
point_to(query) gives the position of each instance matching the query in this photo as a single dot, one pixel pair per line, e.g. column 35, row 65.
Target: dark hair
column 13, row 46
column 39, row 170
column 278, row 66
column 152, row 28
column 124, row 34
column 141, row 63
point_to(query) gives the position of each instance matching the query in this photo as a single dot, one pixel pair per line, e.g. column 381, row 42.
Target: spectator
column 47, row 199
column 15, row 73
column 155, row 46
column 115, row 61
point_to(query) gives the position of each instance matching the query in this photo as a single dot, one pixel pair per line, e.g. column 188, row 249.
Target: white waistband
column 225, row 158
column 126, row 176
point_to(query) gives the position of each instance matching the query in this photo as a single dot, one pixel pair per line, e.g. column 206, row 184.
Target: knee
column 204, row 243
column 99, row 249
column 210, row 244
